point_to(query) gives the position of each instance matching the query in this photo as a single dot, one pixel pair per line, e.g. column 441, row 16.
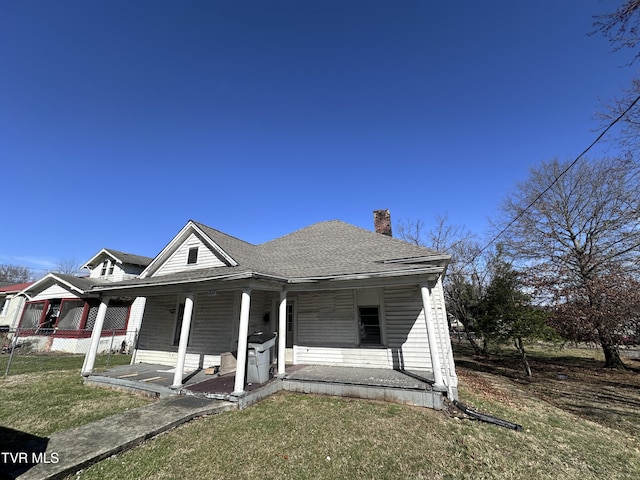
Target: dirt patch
column 572, row 379
column 485, row 385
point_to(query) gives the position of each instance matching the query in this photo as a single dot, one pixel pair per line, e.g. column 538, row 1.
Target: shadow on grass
column 573, row 380
column 20, row 451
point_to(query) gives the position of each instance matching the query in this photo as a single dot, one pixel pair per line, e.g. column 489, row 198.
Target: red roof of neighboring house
column 18, row 287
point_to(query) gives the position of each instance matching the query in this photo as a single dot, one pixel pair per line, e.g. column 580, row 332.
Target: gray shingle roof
column 246, row 254
column 326, row 249
column 81, row 283
column 336, row 248
column 130, row 258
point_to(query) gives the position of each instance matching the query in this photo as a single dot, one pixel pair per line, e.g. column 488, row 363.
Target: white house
column 334, row 293
column 60, row 310
column 11, row 304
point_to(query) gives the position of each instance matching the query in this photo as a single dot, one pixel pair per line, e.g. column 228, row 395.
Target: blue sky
column 120, row 120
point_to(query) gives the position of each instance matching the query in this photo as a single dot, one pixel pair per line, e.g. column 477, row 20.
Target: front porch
column 411, row 388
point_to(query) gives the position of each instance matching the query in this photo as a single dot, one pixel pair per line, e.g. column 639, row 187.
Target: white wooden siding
column 213, row 328
column 325, row 326
column 345, row 357
column 136, row 313
column 54, row 291
column 162, row 357
column 406, row 328
column 212, row 323
column 326, row 318
column 261, row 305
column 13, row 311
column 177, row 262
column 120, row 272
column 116, row 276
column 158, row 323
column 95, row 272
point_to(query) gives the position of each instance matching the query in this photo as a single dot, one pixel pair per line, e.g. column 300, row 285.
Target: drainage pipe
column 487, row 418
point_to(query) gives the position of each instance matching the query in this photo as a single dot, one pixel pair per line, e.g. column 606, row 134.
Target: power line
column 539, row 196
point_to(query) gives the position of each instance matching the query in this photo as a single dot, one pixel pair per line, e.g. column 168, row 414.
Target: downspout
column 487, row 418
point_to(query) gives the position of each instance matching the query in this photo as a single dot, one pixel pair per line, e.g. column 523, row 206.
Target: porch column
column 431, row 336
column 282, row 333
column 243, row 332
column 184, row 341
column 90, row 357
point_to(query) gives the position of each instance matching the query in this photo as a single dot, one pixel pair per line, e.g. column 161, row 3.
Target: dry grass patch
column 572, row 380
column 46, row 402
column 304, row 436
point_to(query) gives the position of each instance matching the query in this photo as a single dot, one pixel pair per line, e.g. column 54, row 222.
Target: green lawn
column 49, row 395
column 580, row 422
column 305, row 436
column 49, row 362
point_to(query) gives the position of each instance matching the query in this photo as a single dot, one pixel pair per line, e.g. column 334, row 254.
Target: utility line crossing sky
column 120, row 120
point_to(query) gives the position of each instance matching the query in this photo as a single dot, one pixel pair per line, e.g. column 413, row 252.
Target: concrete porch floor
column 150, row 379
column 413, row 388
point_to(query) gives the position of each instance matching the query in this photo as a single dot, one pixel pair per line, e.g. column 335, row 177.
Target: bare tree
column 586, row 226
column 412, row 231
column 624, row 108
column 466, row 274
column 622, row 28
column 15, row 274
column 69, row 266
column 444, row 236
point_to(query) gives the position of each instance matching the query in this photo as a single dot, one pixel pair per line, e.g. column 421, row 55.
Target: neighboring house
column 11, row 304
column 60, row 310
column 114, row 266
column 337, row 294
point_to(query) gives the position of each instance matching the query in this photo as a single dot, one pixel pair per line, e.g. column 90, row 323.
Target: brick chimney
column 382, row 222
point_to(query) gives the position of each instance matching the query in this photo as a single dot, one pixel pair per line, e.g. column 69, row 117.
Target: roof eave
column 227, row 277
column 437, row 270
column 412, row 260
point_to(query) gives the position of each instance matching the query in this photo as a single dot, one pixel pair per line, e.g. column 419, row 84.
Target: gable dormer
column 113, row 265
column 191, row 249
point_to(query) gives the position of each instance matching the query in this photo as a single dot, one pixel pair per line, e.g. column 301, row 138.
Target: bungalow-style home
column 334, row 294
column 60, row 309
column 11, row 304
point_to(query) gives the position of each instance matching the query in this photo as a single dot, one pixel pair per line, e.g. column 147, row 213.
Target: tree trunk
column 523, row 356
column 611, row 353
column 474, row 344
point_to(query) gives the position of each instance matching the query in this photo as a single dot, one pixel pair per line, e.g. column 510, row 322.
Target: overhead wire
column 555, row 180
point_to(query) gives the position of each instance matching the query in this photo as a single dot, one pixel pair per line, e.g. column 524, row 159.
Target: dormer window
column 107, row 268
column 193, row 256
